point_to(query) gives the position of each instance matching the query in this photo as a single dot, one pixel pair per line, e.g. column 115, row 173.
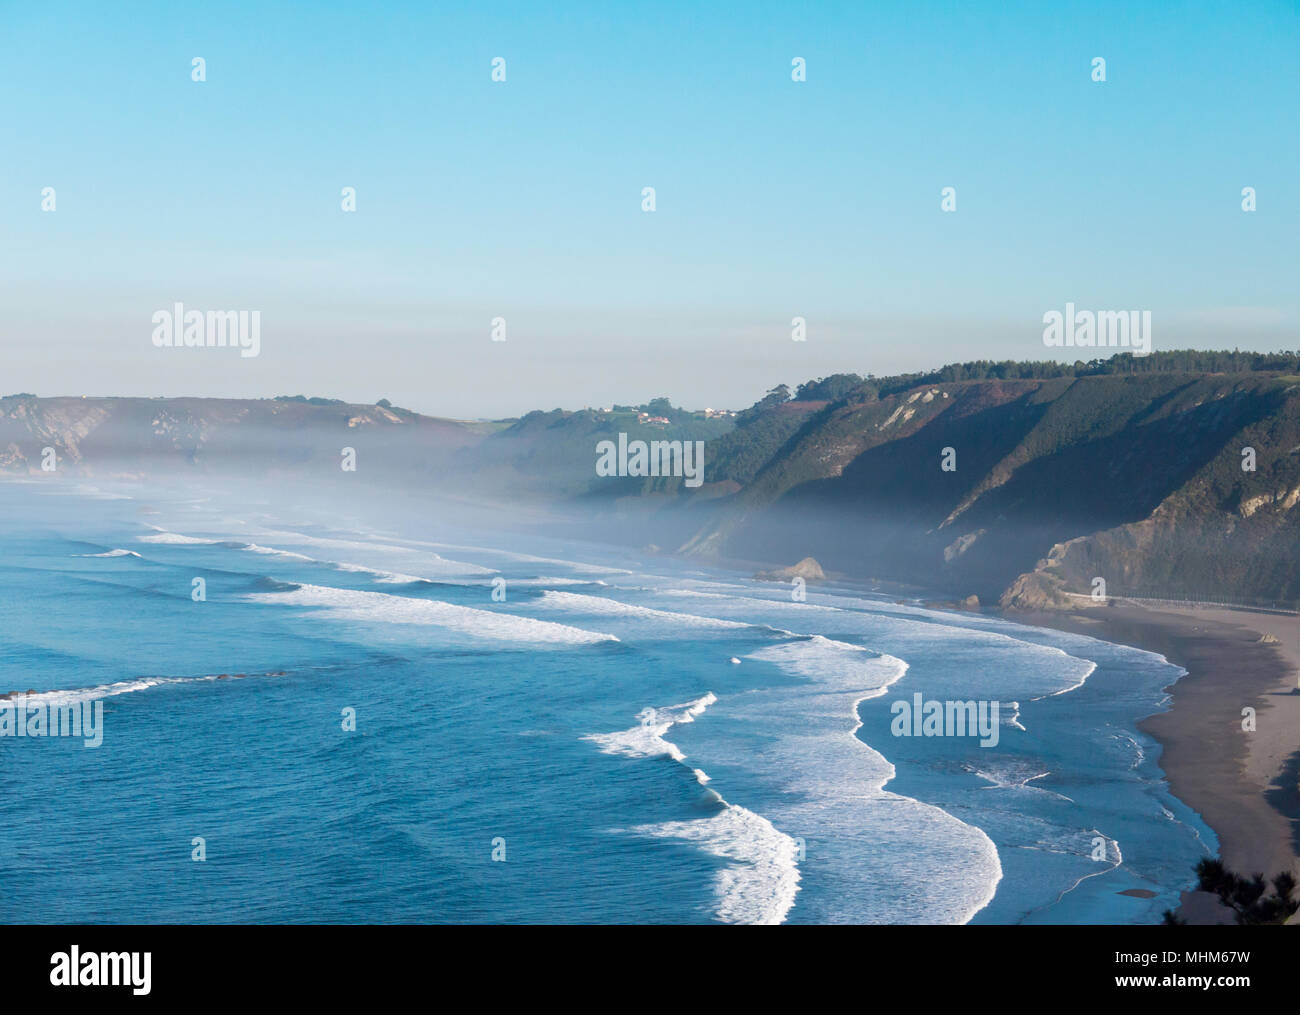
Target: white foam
column 525, row 558
column 380, row 575
column 435, row 563
column 818, row 657
column 1027, row 670
column 352, row 604
column 271, row 551
column 1082, row 677
column 1012, row 774
column 534, row 583
column 176, row 539
column 892, row 859
column 1113, row 856
column 599, row 605
column 75, row 695
column 646, row 740
column 110, row 553
column 387, row 577
column 1139, row 755
column 761, row 879
column 430, row 564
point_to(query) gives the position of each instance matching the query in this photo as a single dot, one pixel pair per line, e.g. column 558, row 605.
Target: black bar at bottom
column 576, row 964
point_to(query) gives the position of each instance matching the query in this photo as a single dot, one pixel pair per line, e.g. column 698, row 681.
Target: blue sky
column 522, row 199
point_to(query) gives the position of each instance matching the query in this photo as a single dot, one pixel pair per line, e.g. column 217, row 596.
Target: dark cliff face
column 1049, row 485
column 1137, row 480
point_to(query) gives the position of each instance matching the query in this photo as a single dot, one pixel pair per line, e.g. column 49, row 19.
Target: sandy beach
column 1244, row 784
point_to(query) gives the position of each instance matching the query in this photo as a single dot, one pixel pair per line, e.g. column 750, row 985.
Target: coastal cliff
column 1034, row 485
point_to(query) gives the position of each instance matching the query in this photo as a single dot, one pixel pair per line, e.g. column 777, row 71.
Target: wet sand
column 1246, row 785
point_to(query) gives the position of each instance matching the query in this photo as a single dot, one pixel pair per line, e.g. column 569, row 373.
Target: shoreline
column 1244, row 785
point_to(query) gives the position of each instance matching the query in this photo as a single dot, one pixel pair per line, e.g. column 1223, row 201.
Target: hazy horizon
column 544, row 405
column 432, row 411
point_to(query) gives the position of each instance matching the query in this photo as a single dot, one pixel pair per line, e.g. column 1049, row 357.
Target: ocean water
column 622, row 739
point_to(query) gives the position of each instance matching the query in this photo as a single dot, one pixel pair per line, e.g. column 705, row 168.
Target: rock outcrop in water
column 807, row 569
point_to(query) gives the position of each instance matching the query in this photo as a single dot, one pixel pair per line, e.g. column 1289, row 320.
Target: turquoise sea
column 545, row 731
